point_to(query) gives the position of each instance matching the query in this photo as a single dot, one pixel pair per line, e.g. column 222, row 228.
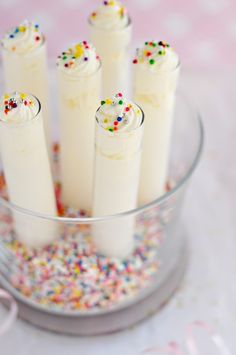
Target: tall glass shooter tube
column 110, row 31
column 26, row 167
column 79, row 75
column 119, row 133
column 156, row 70
column 25, row 66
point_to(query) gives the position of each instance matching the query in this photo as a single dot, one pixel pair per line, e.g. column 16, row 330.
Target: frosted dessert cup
column 26, row 167
column 79, row 79
column 25, row 66
column 110, row 31
column 156, row 70
column 119, row 132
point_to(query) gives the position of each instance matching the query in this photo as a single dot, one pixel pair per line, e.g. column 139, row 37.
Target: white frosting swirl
column 80, row 59
column 112, row 15
column 157, row 56
column 23, row 39
column 119, row 115
column 18, row 107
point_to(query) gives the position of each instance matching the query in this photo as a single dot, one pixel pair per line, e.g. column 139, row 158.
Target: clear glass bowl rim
column 140, row 209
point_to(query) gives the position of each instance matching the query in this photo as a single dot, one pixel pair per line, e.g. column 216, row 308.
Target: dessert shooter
column 26, row 167
column 25, row 65
column 110, row 31
column 156, row 69
column 79, row 75
column 119, row 131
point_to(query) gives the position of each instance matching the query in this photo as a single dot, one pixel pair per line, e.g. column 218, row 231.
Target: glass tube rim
column 33, row 118
column 105, row 30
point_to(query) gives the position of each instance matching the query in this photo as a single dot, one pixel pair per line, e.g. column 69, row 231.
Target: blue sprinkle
column 49, row 293
column 11, row 36
column 36, row 26
column 119, row 119
column 16, row 30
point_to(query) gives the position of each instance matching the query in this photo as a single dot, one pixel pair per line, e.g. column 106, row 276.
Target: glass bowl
column 66, row 287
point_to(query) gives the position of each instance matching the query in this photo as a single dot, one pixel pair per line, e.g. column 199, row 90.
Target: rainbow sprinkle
column 11, row 103
column 115, row 8
column 151, row 50
column 23, row 38
column 82, row 51
column 22, row 28
column 119, row 115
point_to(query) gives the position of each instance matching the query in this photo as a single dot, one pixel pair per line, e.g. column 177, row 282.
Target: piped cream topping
column 156, row 56
column 23, row 39
column 18, row 107
column 79, row 59
column 119, row 115
column 111, row 15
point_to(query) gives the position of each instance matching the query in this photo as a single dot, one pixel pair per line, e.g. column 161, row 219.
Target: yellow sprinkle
column 138, row 111
column 42, row 301
column 76, row 293
column 22, row 96
column 22, row 28
column 57, row 289
column 108, row 101
column 105, row 120
column 6, row 96
column 78, row 51
column 122, row 11
column 112, row 3
column 78, row 305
